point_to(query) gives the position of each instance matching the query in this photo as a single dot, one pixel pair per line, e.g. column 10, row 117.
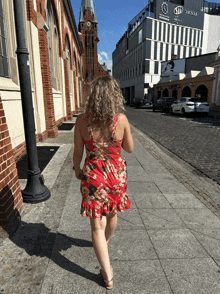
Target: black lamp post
column 35, row 190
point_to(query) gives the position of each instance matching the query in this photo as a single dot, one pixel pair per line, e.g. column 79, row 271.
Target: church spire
column 87, row 4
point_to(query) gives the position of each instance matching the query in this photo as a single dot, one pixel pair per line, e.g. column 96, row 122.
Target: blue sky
column 113, row 17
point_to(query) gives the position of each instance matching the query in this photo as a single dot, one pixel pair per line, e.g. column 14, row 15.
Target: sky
column 113, row 17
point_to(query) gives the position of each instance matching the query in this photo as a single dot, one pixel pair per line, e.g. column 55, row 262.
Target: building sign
column 173, row 66
column 164, row 8
column 191, row 12
column 178, row 10
column 175, row 12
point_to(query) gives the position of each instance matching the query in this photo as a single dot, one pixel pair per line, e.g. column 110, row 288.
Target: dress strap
column 115, row 125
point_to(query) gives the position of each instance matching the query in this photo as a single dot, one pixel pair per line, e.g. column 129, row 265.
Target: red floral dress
column 104, row 181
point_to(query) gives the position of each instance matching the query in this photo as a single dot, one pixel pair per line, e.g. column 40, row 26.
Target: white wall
column 11, row 99
column 36, row 79
column 58, row 104
column 211, row 35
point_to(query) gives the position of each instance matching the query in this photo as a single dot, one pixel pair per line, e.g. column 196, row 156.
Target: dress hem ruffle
column 91, row 211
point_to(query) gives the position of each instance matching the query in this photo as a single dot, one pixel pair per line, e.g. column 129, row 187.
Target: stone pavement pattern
column 168, row 242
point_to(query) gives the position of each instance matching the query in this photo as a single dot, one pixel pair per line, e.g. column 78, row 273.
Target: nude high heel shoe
column 108, row 283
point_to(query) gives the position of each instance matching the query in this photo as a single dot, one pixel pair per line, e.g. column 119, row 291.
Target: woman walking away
column 103, row 130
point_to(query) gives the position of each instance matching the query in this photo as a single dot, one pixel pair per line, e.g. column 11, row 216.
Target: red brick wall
column 47, row 85
column 31, row 13
column 11, row 201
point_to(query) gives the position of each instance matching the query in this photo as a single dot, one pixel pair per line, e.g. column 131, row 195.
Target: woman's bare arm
column 78, row 149
column 127, row 143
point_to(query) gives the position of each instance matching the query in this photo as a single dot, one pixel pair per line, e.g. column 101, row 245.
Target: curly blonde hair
column 104, row 101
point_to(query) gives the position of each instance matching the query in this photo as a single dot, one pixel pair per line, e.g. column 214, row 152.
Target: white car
column 187, row 105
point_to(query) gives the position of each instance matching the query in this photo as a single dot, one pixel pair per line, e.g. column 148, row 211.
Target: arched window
column 186, row 92
column 78, row 69
column 74, row 61
column 165, row 93
column 202, row 92
column 53, row 46
column 4, row 67
column 49, row 35
column 67, row 49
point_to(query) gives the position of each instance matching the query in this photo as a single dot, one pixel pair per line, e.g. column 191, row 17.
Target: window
column 4, row 68
column 179, row 2
column 53, row 46
column 146, row 66
column 140, row 36
column 156, row 67
column 49, row 16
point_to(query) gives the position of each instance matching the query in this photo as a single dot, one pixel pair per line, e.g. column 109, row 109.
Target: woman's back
column 103, row 134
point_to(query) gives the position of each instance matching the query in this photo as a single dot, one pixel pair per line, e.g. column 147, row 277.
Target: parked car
column 187, row 105
column 163, row 104
column 139, row 103
column 136, row 102
column 133, row 101
column 147, row 104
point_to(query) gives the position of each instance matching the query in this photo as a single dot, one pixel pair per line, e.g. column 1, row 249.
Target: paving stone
column 137, row 174
column 161, row 219
column 141, row 276
column 170, row 186
column 210, row 240
column 192, row 275
column 151, row 200
column 178, row 243
column 131, row 245
column 71, row 277
column 129, row 220
column 198, row 218
column 142, row 188
column 184, row 201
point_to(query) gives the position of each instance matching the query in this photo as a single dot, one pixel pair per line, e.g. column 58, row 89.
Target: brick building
column 88, row 28
column 58, row 61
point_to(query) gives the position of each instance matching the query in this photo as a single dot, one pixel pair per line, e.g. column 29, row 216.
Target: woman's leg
column 98, row 226
column 111, row 225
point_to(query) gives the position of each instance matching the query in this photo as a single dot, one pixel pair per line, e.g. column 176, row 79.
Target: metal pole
column 35, row 190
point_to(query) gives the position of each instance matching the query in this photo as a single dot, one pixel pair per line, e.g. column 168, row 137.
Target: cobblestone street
column 193, row 139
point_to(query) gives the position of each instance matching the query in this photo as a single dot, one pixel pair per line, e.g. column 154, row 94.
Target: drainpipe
column 35, row 190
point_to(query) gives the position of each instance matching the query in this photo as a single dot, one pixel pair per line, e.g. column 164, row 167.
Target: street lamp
column 35, row 190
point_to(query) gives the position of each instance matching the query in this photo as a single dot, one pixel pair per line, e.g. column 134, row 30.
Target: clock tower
column 88, row 28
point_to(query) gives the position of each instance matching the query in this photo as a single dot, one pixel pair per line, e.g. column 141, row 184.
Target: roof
column 87, row 4
column 206, row 71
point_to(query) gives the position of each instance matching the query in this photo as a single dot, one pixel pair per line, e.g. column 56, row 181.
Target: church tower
column 88, row 28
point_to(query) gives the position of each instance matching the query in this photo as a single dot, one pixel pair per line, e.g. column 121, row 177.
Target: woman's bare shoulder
column 122, row 118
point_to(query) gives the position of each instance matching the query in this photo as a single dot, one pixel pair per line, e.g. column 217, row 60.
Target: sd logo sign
column 178, row 10
column 164, row 8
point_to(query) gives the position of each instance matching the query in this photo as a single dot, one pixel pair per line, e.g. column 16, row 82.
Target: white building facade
column 161, row 31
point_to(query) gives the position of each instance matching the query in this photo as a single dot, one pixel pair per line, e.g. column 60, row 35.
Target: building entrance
column 202, row 92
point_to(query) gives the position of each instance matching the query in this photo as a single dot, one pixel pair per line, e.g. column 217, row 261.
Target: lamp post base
column 35, row 190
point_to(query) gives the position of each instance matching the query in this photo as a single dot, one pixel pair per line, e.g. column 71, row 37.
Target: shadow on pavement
column 38, row 240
